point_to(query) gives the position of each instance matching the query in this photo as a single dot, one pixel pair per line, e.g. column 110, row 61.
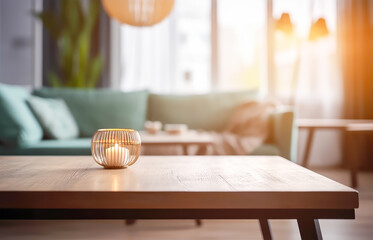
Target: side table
column 335, row 124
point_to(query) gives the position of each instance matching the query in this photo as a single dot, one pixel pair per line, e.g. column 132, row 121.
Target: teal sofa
column 103, row 108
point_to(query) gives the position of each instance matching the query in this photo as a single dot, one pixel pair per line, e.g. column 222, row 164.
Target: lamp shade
column 284, row 24
column 138, row 12
column 318, row 29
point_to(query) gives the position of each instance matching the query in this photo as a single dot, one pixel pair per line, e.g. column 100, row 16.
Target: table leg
column 130, row 221
column 308, row 147
column 353, row 158
column 202, row 150
column 345, row 148
column 309, row 229
column 266, row 229
column 198, row 222
column 185, row 149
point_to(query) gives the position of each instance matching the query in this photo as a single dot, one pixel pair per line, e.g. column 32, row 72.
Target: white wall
column 17, row 42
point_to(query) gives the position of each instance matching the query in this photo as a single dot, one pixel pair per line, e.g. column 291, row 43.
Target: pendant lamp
column 138, row 12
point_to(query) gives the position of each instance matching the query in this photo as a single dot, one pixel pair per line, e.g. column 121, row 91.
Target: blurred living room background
column 311, row 56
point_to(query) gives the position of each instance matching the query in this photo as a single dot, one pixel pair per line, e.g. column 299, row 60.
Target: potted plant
column 71, row 30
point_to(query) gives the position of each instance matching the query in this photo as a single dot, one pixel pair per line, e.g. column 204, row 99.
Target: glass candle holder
column 116, row 148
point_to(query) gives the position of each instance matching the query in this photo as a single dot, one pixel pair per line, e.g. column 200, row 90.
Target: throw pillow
column 18, row 125
column 55, row 117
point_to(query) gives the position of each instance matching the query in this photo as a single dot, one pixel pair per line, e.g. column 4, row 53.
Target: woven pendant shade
column 138, row 12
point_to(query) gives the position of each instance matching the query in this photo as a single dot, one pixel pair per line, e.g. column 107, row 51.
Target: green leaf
column 54, row 80
column 72, row 28
column 50, row 22
column 82, row 58
column 72, row 17
column 66, row 55
column 91, row 18
column 95, row 71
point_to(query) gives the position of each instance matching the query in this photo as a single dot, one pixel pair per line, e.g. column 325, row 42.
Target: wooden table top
column 168, row 182
column 329, row 123
column 163, row 138
column 360, row 127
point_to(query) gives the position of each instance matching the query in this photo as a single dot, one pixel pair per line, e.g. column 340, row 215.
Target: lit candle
column 116, row 156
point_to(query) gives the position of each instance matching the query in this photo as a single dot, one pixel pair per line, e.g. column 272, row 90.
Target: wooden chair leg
column 202, row 150
column 266, row 229
column 129, row 222
column 308, row 147
column 198, row 222
column 185, row 150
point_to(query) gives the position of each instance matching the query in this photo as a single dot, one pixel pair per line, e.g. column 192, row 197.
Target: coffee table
column 189, row 138
column 173, row 187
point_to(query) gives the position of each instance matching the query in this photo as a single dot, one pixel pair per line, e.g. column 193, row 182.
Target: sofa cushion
column 95, row 109
column 55, row 117
column 206, row 111
column 78, row 146
column 18, row 125
column 266, row 149
column 82, row 146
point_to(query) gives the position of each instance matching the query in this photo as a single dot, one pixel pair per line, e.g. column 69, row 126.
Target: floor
column 360, row 228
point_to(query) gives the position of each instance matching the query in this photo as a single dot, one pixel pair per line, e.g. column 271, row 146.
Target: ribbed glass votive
column 116, row 148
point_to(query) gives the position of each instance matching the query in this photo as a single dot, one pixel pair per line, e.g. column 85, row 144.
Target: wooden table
column 173, row 187
column 189, row 138
column 313, row 124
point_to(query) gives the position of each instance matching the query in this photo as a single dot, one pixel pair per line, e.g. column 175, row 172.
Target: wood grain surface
column 168, row 182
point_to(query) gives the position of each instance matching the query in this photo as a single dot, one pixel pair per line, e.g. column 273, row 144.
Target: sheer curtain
column 307, row 73
column 319, row 94
column 172, row 56
column 319, row 91
column 147, row 58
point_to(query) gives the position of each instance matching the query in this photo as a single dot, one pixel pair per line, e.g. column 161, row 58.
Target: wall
column 17, row 42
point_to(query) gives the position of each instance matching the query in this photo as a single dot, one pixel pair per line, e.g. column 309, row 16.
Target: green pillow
column 18, row 125
column 55, row 117
column 101, row 108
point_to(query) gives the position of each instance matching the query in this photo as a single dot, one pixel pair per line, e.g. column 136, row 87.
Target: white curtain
column 319, row 91
column 319, row 94
column 147, row 57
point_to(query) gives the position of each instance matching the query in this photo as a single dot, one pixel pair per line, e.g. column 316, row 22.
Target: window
column 306, row 69
column 172, row 56
column 242, row 44
column 175, row 56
